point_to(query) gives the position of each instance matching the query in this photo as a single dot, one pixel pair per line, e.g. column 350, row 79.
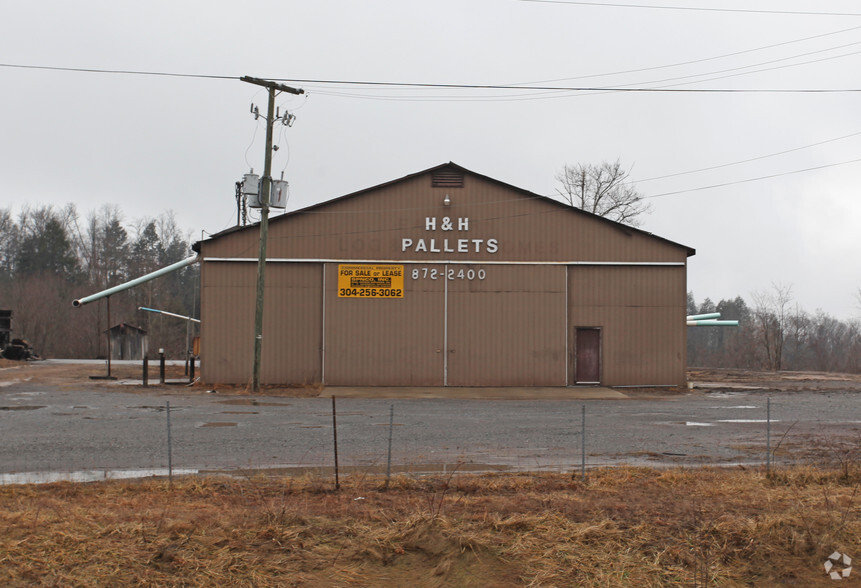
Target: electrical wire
column 118, row 71
column 695, row 61
column 770, row 62
column 467, row 86
column 723, row 165
column 692, row 8
column 251, row 144
column 757, row 179
column 565, row 93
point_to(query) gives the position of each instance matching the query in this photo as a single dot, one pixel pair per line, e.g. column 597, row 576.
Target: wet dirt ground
column 55, row 420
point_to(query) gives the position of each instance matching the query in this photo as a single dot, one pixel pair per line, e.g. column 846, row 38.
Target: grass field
column 621, row 527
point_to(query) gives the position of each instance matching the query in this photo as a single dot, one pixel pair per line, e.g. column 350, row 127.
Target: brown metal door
column 587, row 358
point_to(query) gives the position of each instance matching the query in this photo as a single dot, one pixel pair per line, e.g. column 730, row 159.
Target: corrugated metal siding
column 292, row 324
column 291, row 331
column 385, row 342
column 641, row 313
column 227, row 298
column 372, row 227
column 508, row 329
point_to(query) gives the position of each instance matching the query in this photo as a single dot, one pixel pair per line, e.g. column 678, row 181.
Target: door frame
column 574, row 380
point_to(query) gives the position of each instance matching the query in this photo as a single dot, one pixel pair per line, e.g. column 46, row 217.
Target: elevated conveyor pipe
column 135, row 282
column 702, row 317
column 179, row 316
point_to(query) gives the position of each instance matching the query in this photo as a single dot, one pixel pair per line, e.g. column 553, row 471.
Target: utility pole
column 273, row 88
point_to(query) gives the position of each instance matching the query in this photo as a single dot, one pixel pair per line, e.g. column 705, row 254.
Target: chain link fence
column 67, row 434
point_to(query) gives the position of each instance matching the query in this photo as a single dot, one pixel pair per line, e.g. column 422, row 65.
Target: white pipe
column 182, row 316
column 700, row 317
column 136, row 281
column 712, row 323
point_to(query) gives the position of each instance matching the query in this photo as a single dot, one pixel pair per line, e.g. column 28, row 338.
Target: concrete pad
column 548, row 393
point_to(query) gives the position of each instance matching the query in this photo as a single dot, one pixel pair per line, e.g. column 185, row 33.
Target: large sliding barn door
column 385, row 342
column 506, row 325
column 456, row 325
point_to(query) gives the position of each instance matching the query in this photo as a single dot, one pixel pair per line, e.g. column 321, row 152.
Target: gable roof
column 453, row 166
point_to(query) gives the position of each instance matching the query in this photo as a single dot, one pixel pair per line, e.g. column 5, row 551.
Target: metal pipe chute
column 712, row 323
column 702, row 317
column 180, row 316
column 136, row 282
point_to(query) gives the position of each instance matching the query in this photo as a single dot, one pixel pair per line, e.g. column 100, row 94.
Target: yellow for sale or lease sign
column 370, row 281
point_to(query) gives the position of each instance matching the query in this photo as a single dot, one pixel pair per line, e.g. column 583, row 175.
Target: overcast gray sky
column 154, row 143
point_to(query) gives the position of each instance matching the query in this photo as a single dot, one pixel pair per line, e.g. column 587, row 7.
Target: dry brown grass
column 622, row 527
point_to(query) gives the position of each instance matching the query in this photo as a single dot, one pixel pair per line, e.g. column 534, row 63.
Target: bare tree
column 603, row 190
column 771, row 318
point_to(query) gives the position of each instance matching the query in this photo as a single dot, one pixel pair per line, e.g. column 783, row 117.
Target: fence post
column 768, row 437
column 146, row 371
column 389, row 460
column 169, row 444
column 161, row 366
column 583, row 442
column 191, row 374
column 335, row 434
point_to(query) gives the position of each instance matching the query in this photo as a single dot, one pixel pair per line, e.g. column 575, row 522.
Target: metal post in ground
column 335, row 434
column 768, row 436
column 583, row 442
column 389, row 460
column 161, row 366
column 169, row 444
column 145, row 377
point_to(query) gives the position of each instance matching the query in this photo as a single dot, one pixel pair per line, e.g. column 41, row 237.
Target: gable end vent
column 447, row 178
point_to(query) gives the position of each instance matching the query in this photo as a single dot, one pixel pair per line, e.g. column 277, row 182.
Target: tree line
column 51, row 256
column 774, row 334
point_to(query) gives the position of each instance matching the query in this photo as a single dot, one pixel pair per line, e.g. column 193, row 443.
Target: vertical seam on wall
column 323, row 333
column 445, row 327
column 567, row 329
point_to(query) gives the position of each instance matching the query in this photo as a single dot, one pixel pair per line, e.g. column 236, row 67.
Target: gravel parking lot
column 54, row 426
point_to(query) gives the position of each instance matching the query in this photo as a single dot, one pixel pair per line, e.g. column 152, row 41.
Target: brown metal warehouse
column 446, row 278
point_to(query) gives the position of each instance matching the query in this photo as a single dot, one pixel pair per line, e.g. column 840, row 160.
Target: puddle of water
column 695, row 424
column 251, row 402
column 88, row 475
column 11, row 382
column 23, row 407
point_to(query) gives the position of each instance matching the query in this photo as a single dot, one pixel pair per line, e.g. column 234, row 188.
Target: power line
column 695, row 61
column 757, row 179
column 714, row 167
column 692, row 8
column 568, row 88
column 563, row 93
column 118, row 71
column 454, row 86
